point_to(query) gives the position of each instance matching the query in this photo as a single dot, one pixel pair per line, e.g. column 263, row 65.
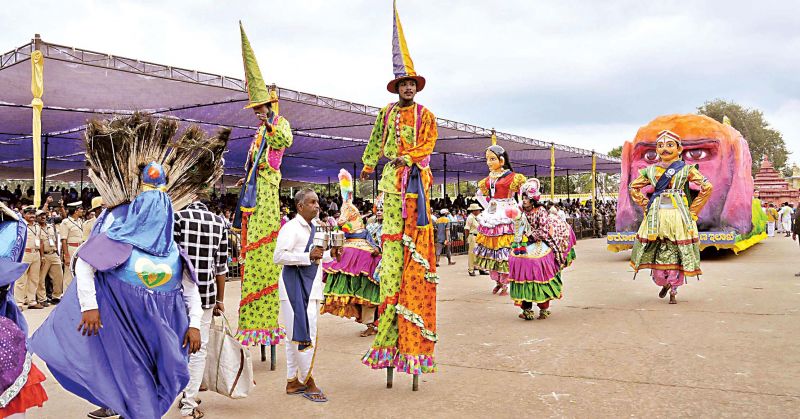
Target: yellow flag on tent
column 37, row 89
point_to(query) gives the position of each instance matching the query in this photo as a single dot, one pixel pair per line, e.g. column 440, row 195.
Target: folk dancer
column 135, row 300
column 542, row 249
column 667, row 242
column 351, row 289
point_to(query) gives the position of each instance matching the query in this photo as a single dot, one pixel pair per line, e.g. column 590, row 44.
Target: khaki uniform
column 25, row 287
column 71, row 231
column 51, row 264
column 472, row 226
column 87, row 228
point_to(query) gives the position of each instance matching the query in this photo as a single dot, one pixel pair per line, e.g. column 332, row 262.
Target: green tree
column 761, row 138
column 615, row 152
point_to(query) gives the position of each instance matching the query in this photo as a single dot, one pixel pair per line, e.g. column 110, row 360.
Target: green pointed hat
column 256, row 88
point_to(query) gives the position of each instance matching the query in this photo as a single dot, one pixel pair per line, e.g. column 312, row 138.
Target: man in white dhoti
column 785, row 218
column 300, row 290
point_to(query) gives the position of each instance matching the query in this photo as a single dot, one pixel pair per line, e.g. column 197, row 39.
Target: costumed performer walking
column 667, row 242
column 542, row 249
column 496, row 223
column 351, row 289
column 405, row 132
column 135, row 300
column 301, row 292
column 258, row 211
column 20, row 380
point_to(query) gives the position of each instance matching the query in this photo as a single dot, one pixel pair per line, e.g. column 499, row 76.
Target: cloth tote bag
column 229, row 367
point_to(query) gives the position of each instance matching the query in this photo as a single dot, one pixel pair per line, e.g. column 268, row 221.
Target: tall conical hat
column 256, row 88
column 401, row 58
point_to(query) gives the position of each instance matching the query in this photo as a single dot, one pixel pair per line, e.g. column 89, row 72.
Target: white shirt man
column 295, row 251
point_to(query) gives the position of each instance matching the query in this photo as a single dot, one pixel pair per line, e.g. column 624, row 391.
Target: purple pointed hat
column 401, row 58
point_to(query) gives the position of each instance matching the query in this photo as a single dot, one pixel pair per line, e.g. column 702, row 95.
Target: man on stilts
column 258, row 212
column 405, row 132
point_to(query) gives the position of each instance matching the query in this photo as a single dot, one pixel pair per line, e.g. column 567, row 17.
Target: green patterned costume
column 258, row 309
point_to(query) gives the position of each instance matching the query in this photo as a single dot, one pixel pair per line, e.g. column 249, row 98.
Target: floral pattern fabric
column 258, row 309
column 407, row 327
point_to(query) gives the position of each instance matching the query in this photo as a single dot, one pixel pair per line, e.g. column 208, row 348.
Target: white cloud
column 577, row 72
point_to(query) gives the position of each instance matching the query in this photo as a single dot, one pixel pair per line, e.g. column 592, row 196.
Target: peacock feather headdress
column 118, row 149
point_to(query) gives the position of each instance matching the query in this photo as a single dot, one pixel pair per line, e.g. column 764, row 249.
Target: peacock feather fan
column 346, row 185
column 118, row 148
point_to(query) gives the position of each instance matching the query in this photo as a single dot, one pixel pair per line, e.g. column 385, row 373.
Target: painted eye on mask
column 650, row 156
column 696, row 154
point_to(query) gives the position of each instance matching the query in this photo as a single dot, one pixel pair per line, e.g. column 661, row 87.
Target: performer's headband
column 668, row 135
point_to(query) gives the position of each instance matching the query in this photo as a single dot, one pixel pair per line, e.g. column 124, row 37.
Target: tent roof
column 328, row 133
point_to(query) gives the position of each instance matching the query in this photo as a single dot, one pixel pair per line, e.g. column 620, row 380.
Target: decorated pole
column 37, row 89
column 594, row 183
column 552, row 171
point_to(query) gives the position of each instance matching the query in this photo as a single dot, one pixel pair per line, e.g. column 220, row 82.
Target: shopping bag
column 229, row 367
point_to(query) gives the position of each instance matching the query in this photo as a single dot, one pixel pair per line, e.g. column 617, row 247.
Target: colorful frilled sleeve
column 705, row 191
column 482, row 185
column 635, row 189
column 374, row 150
column 519, row 179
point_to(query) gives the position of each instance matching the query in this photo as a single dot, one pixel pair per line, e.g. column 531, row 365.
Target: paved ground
column 611, row 349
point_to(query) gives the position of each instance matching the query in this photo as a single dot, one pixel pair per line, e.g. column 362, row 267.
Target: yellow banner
column 37, row 89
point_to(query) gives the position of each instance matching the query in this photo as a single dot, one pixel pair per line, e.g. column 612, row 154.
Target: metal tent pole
column 444, row 195
column 44, row 163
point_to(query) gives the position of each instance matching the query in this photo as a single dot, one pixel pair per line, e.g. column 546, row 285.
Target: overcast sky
column 583, row 73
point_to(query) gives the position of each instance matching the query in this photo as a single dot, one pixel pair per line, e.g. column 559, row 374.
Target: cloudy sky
column 583, row 73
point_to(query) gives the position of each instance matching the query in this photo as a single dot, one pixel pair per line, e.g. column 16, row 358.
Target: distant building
column 770, row 186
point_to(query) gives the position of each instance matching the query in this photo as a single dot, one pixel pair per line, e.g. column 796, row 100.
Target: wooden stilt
column 272, row 359
column 389, row 377
column 415, row 384
column 263, row 353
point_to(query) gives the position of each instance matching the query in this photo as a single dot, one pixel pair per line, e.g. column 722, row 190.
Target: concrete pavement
column 612, row 348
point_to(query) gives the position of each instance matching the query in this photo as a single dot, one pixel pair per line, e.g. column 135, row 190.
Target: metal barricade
column 458, row 242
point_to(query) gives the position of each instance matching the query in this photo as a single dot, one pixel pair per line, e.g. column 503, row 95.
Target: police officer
column 26, row 286
column 51, row 261
column 71, row 231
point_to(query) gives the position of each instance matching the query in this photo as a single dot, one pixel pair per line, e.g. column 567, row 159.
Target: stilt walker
column 258, row 212
column 405, row 132
column 667, row 242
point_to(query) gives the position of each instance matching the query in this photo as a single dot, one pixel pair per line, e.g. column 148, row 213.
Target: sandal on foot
column 497, row 288
column 664, row 291
column 672, row 300
column 504, row 291
column 370, row 330
column 543, row 314
column 318, row 397
column 196, row 414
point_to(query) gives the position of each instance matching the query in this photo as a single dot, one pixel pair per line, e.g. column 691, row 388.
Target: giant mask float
column 732, row 219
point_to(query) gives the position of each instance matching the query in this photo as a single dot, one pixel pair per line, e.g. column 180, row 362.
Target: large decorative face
column 494, row 161
column 722, row 156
